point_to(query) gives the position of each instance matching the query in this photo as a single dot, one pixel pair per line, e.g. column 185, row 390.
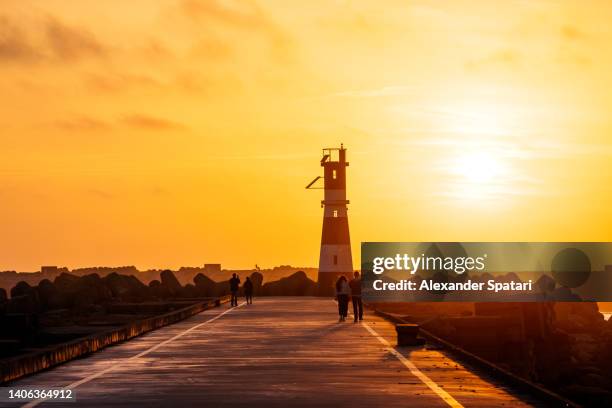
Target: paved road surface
column 278, row 352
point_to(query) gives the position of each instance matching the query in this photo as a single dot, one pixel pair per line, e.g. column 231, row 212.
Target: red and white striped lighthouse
column 335, row 258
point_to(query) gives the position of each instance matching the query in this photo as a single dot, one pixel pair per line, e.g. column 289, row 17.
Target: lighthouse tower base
column 335, row 260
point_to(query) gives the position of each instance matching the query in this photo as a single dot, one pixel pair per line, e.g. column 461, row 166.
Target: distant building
column 212, row 268
column 49, row 271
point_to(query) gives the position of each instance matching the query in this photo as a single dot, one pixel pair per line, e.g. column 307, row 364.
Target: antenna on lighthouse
column 310, row 187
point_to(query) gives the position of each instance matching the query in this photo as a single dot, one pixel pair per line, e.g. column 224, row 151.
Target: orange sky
column 169, row 133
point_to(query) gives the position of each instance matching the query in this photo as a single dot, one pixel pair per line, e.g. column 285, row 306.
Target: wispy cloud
column 533, row 149
column 46, row 40
column 377, row 92
column 83, row 123
column 503, row 57
column 14, row 44
column 468, row 192
column 113, row 82
column 138, row 121
column 147, row 122
column 266, row 157
column 244, row 15
column 70, row 43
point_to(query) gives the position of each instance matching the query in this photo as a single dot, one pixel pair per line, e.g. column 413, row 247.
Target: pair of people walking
column 234, row 283
column 352, row 290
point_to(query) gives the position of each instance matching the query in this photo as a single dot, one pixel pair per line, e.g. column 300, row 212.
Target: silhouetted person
column 342, row 295
column 248, row 291
column 234, row 285
column 355, row 285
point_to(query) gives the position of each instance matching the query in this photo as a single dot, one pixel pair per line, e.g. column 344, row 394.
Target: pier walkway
column 278, row 352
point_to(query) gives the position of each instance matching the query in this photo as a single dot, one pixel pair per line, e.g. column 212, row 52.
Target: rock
column 117, row 284
column 20, row 289
column 585, row 348
column 509, row 277
column 588, row 396
column 297, row 284
column 127, row 288
column 538, row 319
column 257, row 279
column 102, row 292
column 573, row 324
column 49, row 295
column 65, row 280
column 605, row 357
column 563, row 294
column 595, row 380
column 546, row 284
column 579, row 317
column 78, row 293
column 24, row 299
column 138, row 291
column 497, row 309
column 23, row 304
column 554, row 351
column 3, row 301
column 170, row 282
column 562, row 310
column 66, row 287
column 90, row 290
column 205, row 286
column 590, row 312
column 22, row 326
column 158, row 290
column 189, row 291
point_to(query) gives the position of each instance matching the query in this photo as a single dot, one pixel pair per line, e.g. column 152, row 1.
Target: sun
column 477, row 167
column 478, row 175
column 476, row 156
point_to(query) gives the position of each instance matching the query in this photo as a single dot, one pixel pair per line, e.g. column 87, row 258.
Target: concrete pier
column 278, row 352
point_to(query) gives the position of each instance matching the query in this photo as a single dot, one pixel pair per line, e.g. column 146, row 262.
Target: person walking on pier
column 248, row 291
column 234, row 283
column 342, row 295
column 355, row 285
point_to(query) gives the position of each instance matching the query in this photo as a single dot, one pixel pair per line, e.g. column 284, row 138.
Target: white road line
column 415, row 371
column 141, row 354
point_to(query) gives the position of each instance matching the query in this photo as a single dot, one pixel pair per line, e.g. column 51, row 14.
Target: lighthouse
column 335, row 257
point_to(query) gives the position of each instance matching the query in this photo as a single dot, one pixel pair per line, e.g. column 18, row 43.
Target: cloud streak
column 137, row 121
column 83, row 123
column 397, row 90
column 14, row 45
column 50, row 40
column 70, row 43
column 146, row 122
column 535, row 149
column 242, row 15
